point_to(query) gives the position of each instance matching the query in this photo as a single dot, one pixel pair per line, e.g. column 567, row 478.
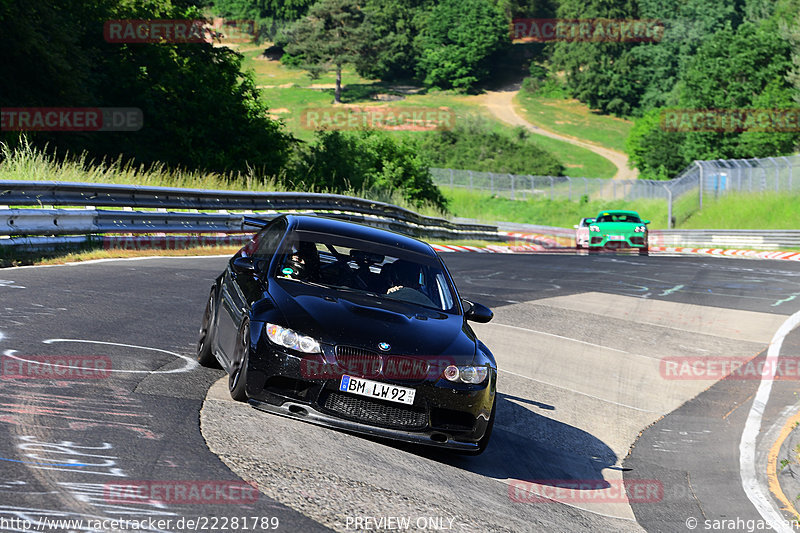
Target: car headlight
column 594, row 228
column 289, row 338
column 640, row 229
column 466, row 374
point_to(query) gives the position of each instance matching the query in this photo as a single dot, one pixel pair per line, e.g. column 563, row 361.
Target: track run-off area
column 595, row 431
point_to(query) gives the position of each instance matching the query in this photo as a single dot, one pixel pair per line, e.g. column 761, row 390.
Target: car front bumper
column 444, row 414
column 628, row 241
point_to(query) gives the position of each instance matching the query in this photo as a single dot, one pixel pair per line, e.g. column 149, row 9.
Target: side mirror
column 244, row 265
column 645, row 221
column 478, row 312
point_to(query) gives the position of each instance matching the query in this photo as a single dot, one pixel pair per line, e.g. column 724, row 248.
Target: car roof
column 353, row 230
column 616, row 212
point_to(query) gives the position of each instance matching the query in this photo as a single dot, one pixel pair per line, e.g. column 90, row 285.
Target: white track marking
column 191, row 364
column 579, row 392
column 570, row 339
column 747, row 446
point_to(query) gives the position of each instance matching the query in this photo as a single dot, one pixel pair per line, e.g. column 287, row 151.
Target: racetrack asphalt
column 578, row 340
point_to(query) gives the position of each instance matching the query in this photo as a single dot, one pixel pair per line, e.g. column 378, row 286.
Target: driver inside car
column 406, row 280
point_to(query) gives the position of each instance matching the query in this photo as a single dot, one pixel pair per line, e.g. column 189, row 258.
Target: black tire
column 644, row 251
column 205, row 356
column 594, row 250
column 237, row 381
column 484, row 442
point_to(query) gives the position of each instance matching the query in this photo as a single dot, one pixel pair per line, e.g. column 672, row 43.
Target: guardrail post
column 552, row 186
column 451, row 179
column 471, row 187
column 512, row 186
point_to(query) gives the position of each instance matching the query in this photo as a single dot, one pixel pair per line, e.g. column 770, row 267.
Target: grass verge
column 571, row 117
column 746, row 211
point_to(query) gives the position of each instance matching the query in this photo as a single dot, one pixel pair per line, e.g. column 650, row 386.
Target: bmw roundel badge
column 384, row 346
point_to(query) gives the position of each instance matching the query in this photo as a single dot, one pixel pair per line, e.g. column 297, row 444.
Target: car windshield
column 371, row 268
column 619, row 218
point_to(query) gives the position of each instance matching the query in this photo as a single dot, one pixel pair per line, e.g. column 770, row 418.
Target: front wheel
column 644, row 251
column 237, row 381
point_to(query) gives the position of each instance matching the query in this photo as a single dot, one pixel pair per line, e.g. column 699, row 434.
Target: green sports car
column 616, row 230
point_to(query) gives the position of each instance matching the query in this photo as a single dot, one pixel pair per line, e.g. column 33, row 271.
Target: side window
column 267, row 241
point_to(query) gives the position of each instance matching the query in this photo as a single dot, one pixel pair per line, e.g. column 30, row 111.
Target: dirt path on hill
column 501, row 105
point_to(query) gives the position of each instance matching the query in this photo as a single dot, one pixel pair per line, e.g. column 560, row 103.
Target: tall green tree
column 200, row 111
column 333, row 34
column 742, row 68
column 793, row 37
column 457, row 42
column 392, row 53
column 285, row 10
column 599, row 73
column 653, row 150
column 687, row 25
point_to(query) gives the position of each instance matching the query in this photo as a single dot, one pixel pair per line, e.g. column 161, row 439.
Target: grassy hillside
column 572, row 118
column 289, row 91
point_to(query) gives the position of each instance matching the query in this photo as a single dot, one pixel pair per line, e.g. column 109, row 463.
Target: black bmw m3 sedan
column 352, row 327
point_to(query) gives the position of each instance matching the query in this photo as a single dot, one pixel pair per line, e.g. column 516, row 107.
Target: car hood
column 617, row 227
column 357, row 319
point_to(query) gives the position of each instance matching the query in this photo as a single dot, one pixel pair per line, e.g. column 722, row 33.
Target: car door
column 240, row 289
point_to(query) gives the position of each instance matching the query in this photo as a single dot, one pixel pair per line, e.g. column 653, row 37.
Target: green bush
column 367, row 160
column 471, row 145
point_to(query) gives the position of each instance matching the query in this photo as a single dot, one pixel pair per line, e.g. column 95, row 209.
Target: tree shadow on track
column 532, row 447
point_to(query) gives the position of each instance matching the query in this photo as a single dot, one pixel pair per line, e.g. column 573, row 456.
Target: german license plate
column 616, row 238
column 375, row 389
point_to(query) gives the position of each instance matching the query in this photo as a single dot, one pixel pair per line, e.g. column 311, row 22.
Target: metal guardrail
column 719, row 238
column 50, row 193
column 42, row 219
column 29, row 226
